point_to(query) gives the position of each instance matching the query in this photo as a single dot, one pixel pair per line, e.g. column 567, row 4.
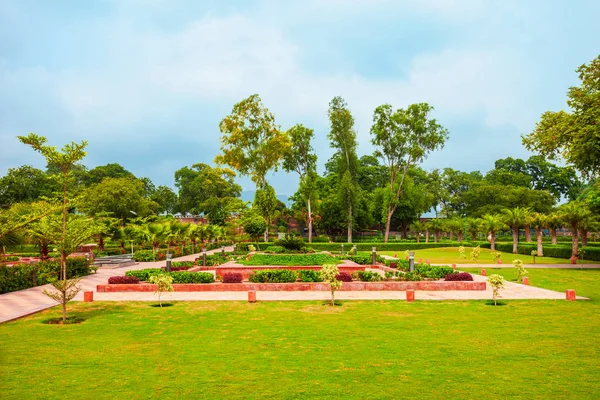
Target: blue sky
column 146, row 82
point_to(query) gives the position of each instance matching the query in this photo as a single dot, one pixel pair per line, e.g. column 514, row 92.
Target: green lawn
column 451, row 255
column 374, row 350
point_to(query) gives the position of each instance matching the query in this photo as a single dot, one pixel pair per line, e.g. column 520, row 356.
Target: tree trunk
column 435, row 237
column 493, row 241
column 527, row 234
column 427, row 235
column 553, row 234
column 474, row 236
column 418, row 236
column 540, row 247
column 64, row 309
column 459, row 235
column 575, row 241
column 266, row 235
column 44, row 251
column 583, row 234
column 350, row 224
column 515, row 232
column 309, row 222
column 404, row 231
column 388, row 222
column 451, row 235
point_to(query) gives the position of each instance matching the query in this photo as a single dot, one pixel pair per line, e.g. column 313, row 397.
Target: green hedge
column 290, row 260
column 591, row 253
column 23, row 276
column 273, row 276
column 178, row 276
column 379, row 246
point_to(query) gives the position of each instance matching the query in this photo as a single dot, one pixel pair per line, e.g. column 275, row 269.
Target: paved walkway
column 24, row 302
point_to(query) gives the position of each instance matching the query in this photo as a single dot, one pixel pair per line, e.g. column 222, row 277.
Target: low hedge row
column 379, row 246
column 290, row 260
column 591, row 253
column 273, row 276
column 24, row 276
column 178, row 276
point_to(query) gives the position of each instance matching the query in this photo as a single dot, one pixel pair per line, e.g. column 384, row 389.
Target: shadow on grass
column 337, row 303
column 163, row 305
column 498, row 303
column 71, row 319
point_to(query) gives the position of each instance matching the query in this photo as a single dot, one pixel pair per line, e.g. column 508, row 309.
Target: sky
column 146, row 82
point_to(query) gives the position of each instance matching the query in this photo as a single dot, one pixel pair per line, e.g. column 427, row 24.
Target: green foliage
column 192, row 277
column 144, row 256
column 65, row 291
column 275, row 249
column 291, row 243
column 289, row 260
column 163, row 283
column 273, row 276
column 369, row 276
column 145, row 274
column 521, row 271
column 432, row 271
column 308, row 275
column 475, row 253
column 330, row 272
column 496, row 282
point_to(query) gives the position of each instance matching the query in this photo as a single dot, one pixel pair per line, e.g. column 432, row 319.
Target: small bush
column 344, row 277
column 369, row 276
column 192, row 277
column 145, row 274
column 291, row 243
column 307, row 275
column 289, row 260
column 273, row 276
column 432, row 271
column 123, row 280
column 9, row 258
column 275, row 249
column 459, row 276
column 232, row 277
column 182, row 264
column 143, row 256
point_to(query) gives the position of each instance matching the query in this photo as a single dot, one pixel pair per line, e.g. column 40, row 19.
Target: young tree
column 164, row 283
column 574, row 135
column 404, row 138
column 302, row 159
column 343, row 138
column 492, row 224
column 63, row 161
column 516, row 218
column 539, row 222
column 574, row 214
column 496, row 282
column 265, row 202
column 329, row 272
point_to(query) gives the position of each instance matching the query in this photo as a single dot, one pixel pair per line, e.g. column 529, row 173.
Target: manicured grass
column 451, row 255
column 235, row 350
column 586, row 282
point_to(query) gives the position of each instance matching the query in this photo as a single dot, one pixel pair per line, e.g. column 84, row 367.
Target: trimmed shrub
column 398, row 246
column 123, row 280
column 344, row 277
column 291, row 243
column 289, row 260
column 275, row 249
column 145, row 274
column 308, row 275
column 232, row 277
column 432, row 271
column 180, row 264
column 273, row 276
column 369, row 276
column 143, row 256
column 192, row 277
column 459, row 276
column 9, row 258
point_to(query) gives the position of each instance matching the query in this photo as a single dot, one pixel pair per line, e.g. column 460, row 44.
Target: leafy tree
column 473, row 227
column 343, row 138
column 208, row 190
column 330, row 272
column 573, row 135
column 302, row 159
column 417, row 227
column 496, row 282
column 121, row 197
column 491, row 224
column 506, row 178
column 66, row 290
column 20, row 216
column 254, row 224
column 539, row 222
column 403, row 139
column 24, row 185
column 590, row 224
column 515, row 218
column 164, row 283
column 101, row 172
column 455, row 184
column 484, row 198
column 266, row 203
column 166, row 199
column 574, row 214
column 436, row 225
column 554, row 222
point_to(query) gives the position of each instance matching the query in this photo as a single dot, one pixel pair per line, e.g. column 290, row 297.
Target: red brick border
column 298, row 286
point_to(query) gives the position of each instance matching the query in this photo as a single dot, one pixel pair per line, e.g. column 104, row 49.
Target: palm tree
column 473, row 227
column 554, row 223
column 590, row 224
column 516, row 218
column 492, row 223
column 456, row 225
column 574, row 214
column 437, row 226
column 417, row 227
column 539, row 222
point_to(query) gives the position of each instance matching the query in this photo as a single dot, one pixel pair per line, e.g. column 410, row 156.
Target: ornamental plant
column 329, row 274
column 475, row 253
column 496, row 282
column 164, row 284
column 461, row 251
column 497, row 256
column 521, row 271
column 534, row 253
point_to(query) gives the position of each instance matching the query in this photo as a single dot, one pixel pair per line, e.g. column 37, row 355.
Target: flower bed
column 300, row 286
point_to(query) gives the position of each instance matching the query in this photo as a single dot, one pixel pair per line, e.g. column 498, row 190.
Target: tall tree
column 573, row 135
column 404, row 138
column 539, row 222
column 24, row 185
column 516, row 218
column 574, row 214
column 266, row 202
column 492, row 223
column 302, row 159
column 343, row 138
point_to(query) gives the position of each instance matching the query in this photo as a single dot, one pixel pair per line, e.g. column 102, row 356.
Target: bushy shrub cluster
column 123, row 280
column 275, row 249
column 144, row 274
column 398, row 246
column 459, row 276
column 232, row 277
column 432, row 271
column 291, row 243
column 23, row 276
column 307, row 275
column 369, row 276
column 290, row 260
column 591, row 253
column 344, row 277
column 273, row 276
column 143, row 256
column 9, row 258
column 178, row 276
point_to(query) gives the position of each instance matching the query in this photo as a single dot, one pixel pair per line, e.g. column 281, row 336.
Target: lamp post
column 131, row 242
column 223, row 251
column 465, row 229
column 354, row 249
column 373, row 256
column 168, row 262
column 235, row 249
column 204, row 257
column 411, row 261
column 342, row 248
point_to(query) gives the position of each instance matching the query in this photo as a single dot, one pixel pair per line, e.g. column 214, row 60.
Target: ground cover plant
column 451, row 255
column 535, row 335
column 290, row 260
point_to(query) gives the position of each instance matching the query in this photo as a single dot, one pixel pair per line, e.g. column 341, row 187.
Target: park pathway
column 29, row 301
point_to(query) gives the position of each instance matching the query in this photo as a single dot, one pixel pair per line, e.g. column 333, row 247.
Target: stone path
column 24, row 302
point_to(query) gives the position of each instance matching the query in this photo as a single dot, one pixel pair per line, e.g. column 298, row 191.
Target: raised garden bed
column 299, row 286
column 247, row 270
